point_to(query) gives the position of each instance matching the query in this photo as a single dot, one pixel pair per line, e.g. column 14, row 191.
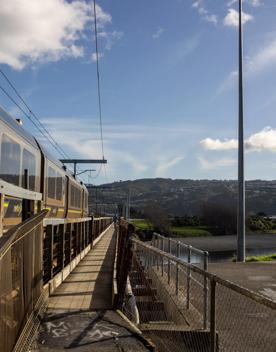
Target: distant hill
column 180, row 197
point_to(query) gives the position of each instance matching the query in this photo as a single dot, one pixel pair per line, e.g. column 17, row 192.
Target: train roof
column 18, row 129
column 14, row 125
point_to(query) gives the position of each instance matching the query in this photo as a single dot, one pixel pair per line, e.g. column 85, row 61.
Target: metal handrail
column 212, row 277
column 200, row 251
column 19, row 231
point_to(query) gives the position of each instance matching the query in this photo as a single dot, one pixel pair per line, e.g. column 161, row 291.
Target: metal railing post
column 162, row 259
column 62, row 232
column 205, row 290
column 169, row 262
column 213, row 336
column 177, row 269
column 157, row 246
column 188, row 278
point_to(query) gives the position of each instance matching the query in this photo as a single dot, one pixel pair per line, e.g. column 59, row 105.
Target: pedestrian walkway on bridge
column 79, row 314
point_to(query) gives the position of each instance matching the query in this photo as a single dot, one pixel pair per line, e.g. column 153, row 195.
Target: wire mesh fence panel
column 20, row 280
column 160, row 289
column 185, row 308
column 243, row 324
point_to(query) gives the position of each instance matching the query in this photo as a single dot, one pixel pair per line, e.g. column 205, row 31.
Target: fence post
column 177, row 269
column 213, row 342
column 125, row 264
column 157, row 246
column 169, row 262
column 205, row 289
column 62, row 256
column 188, row 277
column 162, row 259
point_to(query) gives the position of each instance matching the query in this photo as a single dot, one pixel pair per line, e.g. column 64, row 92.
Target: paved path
column 89, row 286
column 259, row 277
column 79, row 315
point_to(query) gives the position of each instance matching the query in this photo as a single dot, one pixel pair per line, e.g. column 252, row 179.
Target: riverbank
column 223, row 248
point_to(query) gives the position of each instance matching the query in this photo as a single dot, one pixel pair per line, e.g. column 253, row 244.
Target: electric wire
column 41, row 126
column 26, row 114
column 98, row 86
column 98, row 75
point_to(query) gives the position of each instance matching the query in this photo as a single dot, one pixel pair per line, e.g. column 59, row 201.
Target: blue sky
column 168, row 76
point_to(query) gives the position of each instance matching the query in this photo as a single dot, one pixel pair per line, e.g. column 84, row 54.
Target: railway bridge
column 91, row 285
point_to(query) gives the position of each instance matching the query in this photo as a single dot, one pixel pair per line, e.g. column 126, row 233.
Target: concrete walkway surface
column 79, row 316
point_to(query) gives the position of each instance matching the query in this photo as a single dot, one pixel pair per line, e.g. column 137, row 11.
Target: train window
column 75, row 197
column 51, row 183
column 10, row 160
column 29, row 163
column 59, row 187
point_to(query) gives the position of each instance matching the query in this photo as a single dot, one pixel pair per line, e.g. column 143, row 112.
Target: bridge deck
column 79, row 314
column 89, row 286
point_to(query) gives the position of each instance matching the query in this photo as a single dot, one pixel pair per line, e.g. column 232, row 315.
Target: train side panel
column 20, row 165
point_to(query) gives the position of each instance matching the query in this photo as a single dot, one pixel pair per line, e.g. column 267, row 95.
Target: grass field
column 179, row 231
column 193, row 231
column 261, row 258
column 141, row 224
column 258, row 258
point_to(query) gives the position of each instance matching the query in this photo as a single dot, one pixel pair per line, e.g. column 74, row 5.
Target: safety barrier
column 31, row 254
column 64, row 239
column 172, row 305
column 189, row 254
column 20, row 277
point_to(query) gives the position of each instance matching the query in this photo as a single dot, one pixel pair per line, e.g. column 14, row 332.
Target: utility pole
column 241, row 182
column 75, row 162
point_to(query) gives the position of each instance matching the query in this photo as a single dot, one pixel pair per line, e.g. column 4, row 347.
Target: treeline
column 220, row 219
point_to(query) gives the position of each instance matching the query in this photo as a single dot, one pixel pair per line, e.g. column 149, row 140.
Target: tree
column 220, row 216
column 157, row 217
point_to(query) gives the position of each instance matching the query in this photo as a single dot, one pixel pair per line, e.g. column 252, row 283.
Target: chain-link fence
column 185, row 308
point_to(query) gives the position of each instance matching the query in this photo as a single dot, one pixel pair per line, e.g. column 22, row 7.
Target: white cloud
column 110, row 38
column 228, row 82
column 232, row 18
column 254, row 3
column 203, row 12
column 264, row 140
column 214, row 164
column 217, row 144
column 94, row 56
column 158, row 33
column 35, row 31
column 165, row 165
column 264, row 58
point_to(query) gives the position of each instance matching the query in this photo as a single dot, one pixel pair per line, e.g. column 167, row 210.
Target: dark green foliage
column 186, row 220
column 261, row 223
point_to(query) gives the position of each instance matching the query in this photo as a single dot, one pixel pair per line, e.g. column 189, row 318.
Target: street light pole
column 241, row 182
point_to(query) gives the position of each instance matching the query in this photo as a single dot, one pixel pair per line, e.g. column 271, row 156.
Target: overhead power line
column 98, row 76
column 42, row 129
column 24, row 112
column 98, row 86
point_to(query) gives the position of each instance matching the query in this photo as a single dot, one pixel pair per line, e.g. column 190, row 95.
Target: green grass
column 141, row 224
column 269, row 231
column 258, row 258
column 194, row 231
column 261, row 258
column 180, row 231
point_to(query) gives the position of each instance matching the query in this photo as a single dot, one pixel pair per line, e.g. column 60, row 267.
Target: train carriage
column 24, row 165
